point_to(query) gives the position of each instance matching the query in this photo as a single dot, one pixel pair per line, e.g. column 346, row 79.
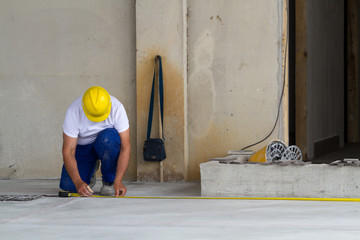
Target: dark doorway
column 302, row 70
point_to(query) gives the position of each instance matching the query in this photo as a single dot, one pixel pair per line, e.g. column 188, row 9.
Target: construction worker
column 95, row 127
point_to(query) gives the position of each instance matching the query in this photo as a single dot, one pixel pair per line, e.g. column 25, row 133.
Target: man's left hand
column 120, row 189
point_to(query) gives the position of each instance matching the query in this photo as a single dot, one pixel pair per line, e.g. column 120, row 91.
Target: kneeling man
column 96, row 127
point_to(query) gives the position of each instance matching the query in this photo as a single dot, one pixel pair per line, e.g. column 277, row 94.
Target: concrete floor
column 125, row 218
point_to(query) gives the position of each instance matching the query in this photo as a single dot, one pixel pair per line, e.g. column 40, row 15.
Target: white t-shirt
column 77, row 125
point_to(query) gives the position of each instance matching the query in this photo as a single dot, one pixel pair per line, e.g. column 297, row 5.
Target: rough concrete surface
column 234, row 76
column 257, row 180
column 110, row 218
column 50, row 53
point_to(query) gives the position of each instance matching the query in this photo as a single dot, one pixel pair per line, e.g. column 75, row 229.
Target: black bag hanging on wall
column 154, row 148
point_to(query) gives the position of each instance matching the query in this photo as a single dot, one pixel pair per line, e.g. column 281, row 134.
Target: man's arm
column 123, row 162
column 68, row 151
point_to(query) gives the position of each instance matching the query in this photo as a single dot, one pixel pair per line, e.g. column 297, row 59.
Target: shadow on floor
column 350, row 150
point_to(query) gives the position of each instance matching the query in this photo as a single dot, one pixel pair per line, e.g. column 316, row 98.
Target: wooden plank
column 352, row 71
column 301, row 75
column 243, row 153
column 157, row 80
column 285, row 68
column 231, row 159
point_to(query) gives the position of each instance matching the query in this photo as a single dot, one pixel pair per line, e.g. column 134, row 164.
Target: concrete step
column 276, row 180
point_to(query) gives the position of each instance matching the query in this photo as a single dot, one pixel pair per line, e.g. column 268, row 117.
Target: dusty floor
column 110, row 218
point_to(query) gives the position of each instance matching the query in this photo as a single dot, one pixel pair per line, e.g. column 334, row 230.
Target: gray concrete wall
column 222, row 66
column 50, row 53
column 325, row 71
column 234, row 76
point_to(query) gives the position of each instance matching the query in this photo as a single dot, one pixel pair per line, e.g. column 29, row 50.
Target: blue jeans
column 106, row 148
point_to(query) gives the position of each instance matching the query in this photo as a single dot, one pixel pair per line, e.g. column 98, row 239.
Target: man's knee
column 108, row 137
column 107, row 145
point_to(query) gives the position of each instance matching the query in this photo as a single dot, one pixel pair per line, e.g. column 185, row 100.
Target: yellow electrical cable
column 231, row 198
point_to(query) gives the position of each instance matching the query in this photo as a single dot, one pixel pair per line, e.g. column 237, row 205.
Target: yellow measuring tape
column 230, row 198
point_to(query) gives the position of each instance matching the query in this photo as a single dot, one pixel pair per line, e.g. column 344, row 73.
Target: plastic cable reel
column 292, row 153
column 275, row 150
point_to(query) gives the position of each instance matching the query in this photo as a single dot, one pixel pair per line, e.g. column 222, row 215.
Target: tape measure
column 70, row 194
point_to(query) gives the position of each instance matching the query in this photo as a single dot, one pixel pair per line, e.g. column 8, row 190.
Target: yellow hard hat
column 96, row 104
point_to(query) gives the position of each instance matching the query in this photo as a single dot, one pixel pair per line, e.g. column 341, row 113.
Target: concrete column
column 161, row 30
column 235, row 76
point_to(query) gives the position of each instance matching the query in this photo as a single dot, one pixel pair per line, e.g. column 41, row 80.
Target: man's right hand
column 84, row 190
column 69, row 148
